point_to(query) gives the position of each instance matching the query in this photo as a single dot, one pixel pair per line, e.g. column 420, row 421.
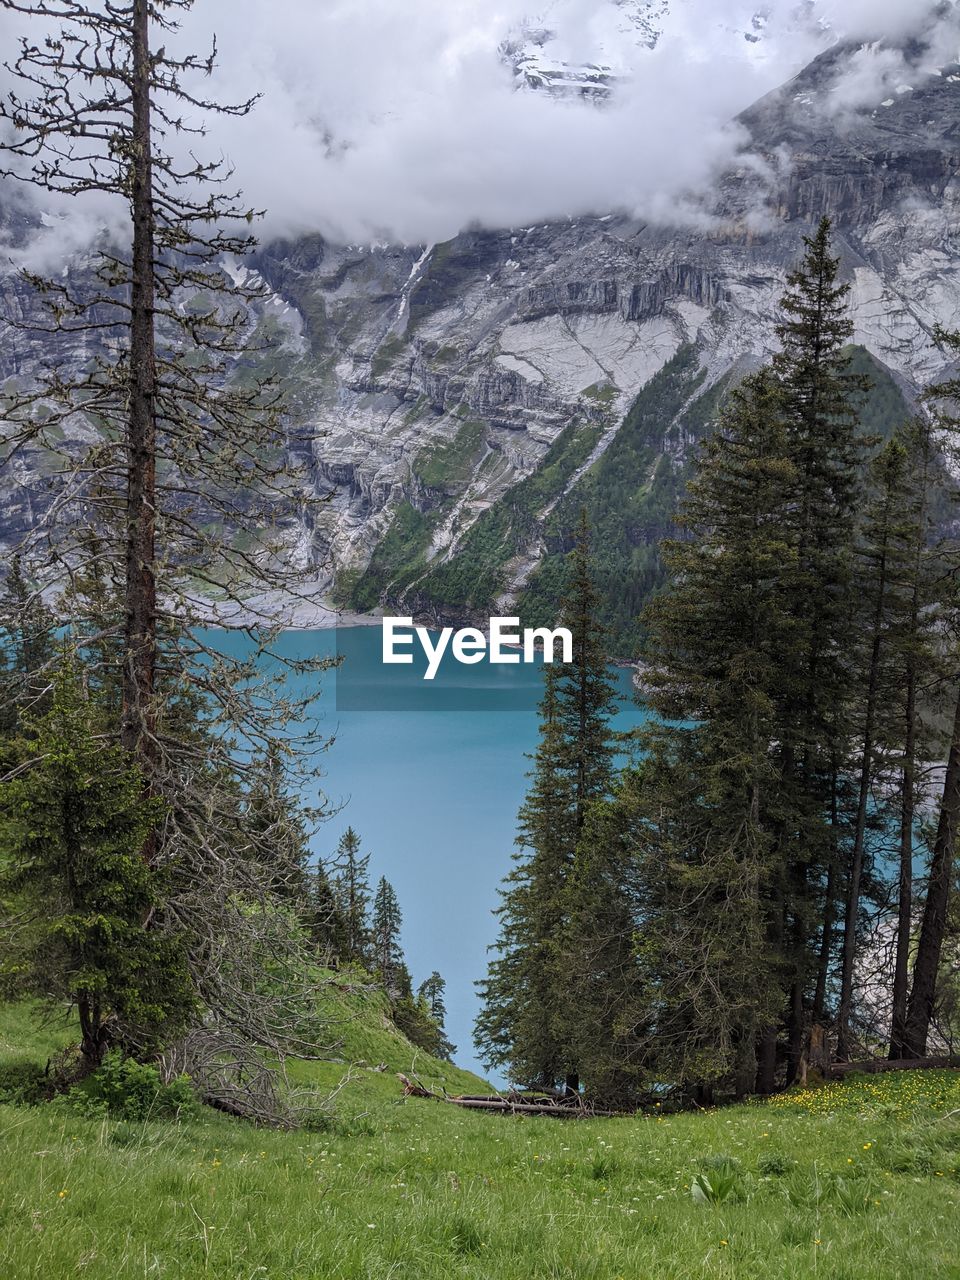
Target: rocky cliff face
column 447, row 376
column 462, row 393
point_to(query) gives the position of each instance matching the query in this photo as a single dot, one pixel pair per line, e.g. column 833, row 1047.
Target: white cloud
column 874, row 19
column 877, row 73
column 396, row 119
column 430, row 134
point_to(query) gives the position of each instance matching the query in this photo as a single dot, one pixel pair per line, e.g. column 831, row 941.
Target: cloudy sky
column 401, row 120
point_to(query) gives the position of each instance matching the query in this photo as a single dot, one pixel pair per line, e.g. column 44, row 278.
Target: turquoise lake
column 431, row 777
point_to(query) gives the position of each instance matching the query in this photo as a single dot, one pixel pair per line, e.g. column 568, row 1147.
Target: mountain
column 560, row 51
column 474, row 392
column 468, row 397
column 535, row 51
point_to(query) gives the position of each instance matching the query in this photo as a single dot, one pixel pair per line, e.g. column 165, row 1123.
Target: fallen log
column 871, row 1066
column 506, row 1105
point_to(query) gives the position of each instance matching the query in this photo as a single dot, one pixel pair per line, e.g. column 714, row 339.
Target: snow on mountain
column 558, row 51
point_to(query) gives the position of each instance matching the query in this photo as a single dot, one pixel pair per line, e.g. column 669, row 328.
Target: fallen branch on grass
column 510, row 1104
column 838, row 1070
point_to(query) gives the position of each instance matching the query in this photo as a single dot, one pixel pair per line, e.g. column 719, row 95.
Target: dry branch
column 508, row 1104
column 871, row 1066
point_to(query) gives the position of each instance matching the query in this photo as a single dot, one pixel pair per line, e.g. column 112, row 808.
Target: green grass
column 449, row 465
column 399, row 557
column 368, row 1047
column 475, row 575
column 859, row 1181
column 602, row 394
column 28, row 1036
column 385, row 355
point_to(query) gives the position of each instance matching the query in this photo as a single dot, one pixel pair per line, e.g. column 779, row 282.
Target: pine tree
column 76, row 897
column 324, row 919
column 27, row 649
column 714, row 882
column 603, row 1001
column 351, row 888
column 101, row 78
column 585, row 695
column 883, row 541
column 158, row 455
column 916, row 664
column 385, row 949
column 277, row 825
column 820, row 410
column 516, row 1023
column 524, row 1020
column 431, row 995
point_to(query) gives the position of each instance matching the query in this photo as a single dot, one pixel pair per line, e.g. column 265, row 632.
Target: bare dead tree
column 173, row 496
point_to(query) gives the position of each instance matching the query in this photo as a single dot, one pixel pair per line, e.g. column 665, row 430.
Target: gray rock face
column 437, row 378
column 525, row 330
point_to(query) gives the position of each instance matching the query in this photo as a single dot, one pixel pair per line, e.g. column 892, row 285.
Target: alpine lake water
column 431, row 776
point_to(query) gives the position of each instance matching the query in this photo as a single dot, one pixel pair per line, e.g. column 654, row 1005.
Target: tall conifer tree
column 916, row 666
column 324, row 919
column 821, row 395
column 430, row 994
column 880, row 575
column 160, row 447
column 385, row 924
column 522, row 1023
column 351, row 887
column 602, row 1004
column 715, row 879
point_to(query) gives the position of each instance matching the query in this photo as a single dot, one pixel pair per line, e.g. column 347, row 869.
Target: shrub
column 774, row 1164
column 130, row 1090
column 23, row 1083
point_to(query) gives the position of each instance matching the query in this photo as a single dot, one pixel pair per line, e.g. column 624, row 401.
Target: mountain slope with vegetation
column 362, row 1053
column 633, row 491
column 447, row 398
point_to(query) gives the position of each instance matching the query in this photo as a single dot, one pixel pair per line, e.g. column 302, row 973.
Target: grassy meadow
column 853, row 1181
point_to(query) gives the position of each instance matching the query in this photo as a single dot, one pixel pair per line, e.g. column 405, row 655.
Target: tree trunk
column 94, row 1040
column 901, row 964
column 796, row 1017
column 138, row 725
column 795, row 1031
column 818, row 1050
column 767, row 1061
column 745, row 1075
column 829, row 908
column 930, row 945
column 863, row 796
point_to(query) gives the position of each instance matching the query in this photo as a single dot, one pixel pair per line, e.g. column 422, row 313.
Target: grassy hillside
column 370, row 1051
column 860, row 1180
column 362, row 1048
